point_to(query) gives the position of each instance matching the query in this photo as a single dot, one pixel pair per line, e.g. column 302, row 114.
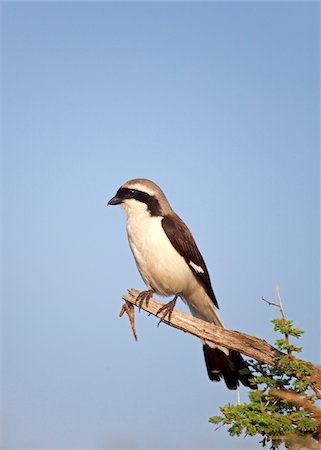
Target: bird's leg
column 144, row 296
column 167, row 310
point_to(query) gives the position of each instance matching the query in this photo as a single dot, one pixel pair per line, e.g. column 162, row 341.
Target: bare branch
column 269, row 302
column 234, row 340
column 246, row 344
column 286, row 336
column 277, row 289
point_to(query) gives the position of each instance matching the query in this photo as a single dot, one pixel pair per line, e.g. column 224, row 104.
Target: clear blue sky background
column 216, row 102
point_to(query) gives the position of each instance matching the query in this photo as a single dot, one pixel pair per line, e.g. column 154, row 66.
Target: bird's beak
column 114, row 201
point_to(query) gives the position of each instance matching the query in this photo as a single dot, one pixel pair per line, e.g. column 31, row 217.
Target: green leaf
column 272, row 418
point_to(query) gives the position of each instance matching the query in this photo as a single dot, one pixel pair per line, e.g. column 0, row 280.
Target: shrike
column 170, row 263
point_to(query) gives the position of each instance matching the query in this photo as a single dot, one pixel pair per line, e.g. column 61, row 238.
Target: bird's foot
column 167, row 310
column 144, row 296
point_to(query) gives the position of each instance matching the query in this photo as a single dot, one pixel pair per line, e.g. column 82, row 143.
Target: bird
column 170, row 263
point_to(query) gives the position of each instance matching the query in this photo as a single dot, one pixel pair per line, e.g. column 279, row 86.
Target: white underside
column 162, row 268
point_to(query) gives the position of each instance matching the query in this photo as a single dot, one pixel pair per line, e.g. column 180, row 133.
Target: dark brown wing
column 182, row 240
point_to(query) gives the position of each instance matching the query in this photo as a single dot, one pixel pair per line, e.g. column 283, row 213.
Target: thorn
column 238, row 395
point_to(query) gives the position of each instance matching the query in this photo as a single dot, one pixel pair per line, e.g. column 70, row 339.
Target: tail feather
column 231, row 367
column 220, row 362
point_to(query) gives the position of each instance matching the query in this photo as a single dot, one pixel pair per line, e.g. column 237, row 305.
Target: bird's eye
column 132, row 191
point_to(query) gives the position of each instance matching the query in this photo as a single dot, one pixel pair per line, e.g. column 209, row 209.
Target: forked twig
column 269, row 302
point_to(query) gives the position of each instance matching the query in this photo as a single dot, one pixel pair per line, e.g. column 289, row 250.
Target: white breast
column 161, row 266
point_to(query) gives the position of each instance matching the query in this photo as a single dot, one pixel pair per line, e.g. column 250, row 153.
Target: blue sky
column 218, row 103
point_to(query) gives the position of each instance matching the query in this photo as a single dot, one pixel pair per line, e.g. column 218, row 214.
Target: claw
column 167, row 310
column 144, row 296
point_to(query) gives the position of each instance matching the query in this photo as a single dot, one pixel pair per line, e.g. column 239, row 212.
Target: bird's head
column 141, row 194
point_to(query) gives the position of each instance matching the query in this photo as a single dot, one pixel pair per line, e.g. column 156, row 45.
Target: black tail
column 231, row 367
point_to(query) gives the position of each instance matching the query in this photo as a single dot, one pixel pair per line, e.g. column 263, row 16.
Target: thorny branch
column 302, row 402
column 298, row 400
column 280, row 306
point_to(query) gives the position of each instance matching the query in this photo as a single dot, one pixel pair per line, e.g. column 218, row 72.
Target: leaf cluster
column 276, row 420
